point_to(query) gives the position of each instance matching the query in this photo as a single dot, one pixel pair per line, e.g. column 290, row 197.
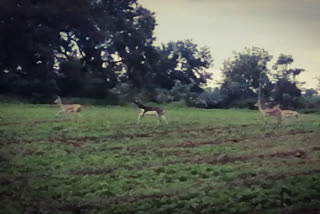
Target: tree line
column 85, row 48
column 105, row 49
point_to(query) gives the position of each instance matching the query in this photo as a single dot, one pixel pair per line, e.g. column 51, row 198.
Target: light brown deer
column 67, row 107
column 289, row 113
column 274, row 111
column 277, row 112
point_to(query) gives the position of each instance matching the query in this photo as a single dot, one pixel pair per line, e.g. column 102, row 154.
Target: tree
column 286, row 90
column 29, row 35
column 49, row 46
column 242, row 74
column 310, row 92
column 126, row 30
column 183, row 61
column 133, row 45
column 282, row 70
column 37, row 36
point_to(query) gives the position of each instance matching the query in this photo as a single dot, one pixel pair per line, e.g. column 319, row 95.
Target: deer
column 275, row 111
column 150, row 111
column 67, row 107
column 289, row 113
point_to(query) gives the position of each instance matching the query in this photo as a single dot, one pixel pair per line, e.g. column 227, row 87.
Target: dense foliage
column 84, row 49
column 246, row 69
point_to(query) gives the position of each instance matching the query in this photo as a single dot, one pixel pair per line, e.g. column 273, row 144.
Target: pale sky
column 279, row 26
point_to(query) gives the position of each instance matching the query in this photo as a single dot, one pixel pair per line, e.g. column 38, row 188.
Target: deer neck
column 60, row 105
column 259, row 96
column 260, row 108
column 141, row 106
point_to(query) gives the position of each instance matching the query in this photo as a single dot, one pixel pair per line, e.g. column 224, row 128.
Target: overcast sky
column 279, row 26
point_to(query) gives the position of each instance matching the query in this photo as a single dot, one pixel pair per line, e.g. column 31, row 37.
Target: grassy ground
column 203, row 161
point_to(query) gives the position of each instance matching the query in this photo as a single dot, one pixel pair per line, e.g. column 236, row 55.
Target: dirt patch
column 85, row 139
column 32, row 152
column 207, row 129
column 191, row 144
column 316, row 148
column 114, row 148
column 309, row 161
column 77, row 207
column 312, row 211
column 296, row 153
column 33, row 122
column 176, row 153
column 224, row 159
column 90, row 171
column 285, row 175
column 260, row 179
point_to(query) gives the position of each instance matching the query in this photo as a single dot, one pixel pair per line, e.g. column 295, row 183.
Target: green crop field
column 203, row 161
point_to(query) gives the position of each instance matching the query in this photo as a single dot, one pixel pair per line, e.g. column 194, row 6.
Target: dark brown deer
column 150, row 111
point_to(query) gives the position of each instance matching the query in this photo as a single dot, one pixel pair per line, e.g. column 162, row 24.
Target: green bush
column 310, row 104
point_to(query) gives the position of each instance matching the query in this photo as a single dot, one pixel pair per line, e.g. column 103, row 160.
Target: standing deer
column 150, row 111
column 67, row 107
column 276, row 111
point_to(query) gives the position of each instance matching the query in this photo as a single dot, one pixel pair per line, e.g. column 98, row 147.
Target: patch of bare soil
column 90, row 171
column 312, row 211
column 296, row 153
column 113, row 148
column 32, row 152
column 33, row 122
column 203, row 130
column 284, row 175
column 109, row 170
column 191, row 144
column 77, row 207
column 316, row 148
column 85, row 139
column 224, row 159
column 163, row 133
column 258, row 179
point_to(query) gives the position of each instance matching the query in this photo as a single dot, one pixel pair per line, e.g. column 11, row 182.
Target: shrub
column 310, row 104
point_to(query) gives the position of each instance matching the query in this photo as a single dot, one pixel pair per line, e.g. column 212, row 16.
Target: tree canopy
column 242, row 73
column 52, row 46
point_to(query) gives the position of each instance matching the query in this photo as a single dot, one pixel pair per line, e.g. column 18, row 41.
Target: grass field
column 203, row 161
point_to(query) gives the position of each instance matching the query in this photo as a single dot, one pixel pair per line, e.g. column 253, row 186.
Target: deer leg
column 164, row 119
column 139, row 117
column 59, row 112
column 279, row 120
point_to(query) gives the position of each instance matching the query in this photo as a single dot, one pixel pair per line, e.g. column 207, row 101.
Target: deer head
column 58, row 100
